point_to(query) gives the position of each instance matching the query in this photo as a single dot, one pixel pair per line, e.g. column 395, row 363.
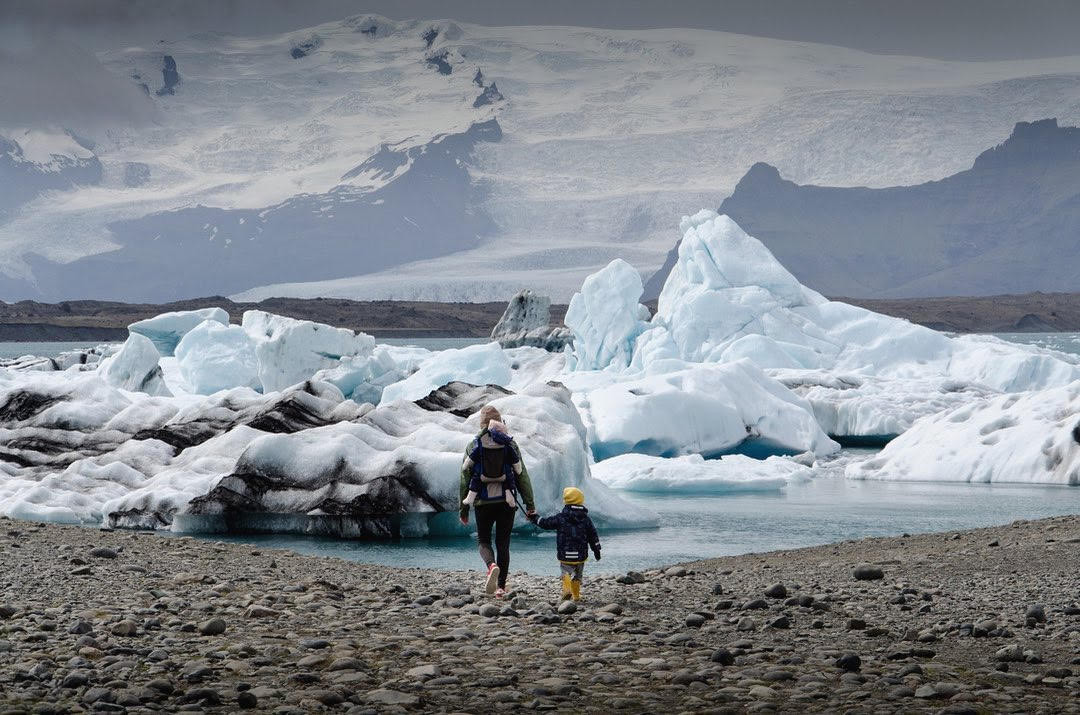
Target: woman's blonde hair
column 489, row 414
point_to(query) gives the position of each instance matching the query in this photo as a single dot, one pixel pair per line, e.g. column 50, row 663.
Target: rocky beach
column 960, row 622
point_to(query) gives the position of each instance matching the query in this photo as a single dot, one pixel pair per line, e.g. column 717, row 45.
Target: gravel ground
column 966, row 622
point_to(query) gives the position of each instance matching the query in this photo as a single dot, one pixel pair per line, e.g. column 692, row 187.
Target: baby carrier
column 495, row 464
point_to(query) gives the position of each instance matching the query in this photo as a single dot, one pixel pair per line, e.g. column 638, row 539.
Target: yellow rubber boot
column 575, row 589
column 567, row 587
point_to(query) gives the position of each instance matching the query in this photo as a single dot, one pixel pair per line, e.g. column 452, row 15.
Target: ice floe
column 708, row 409
column 693, row 474
column 1033, row 437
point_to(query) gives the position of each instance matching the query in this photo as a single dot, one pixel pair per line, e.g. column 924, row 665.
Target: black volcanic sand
column 102, row 320
column 108, row 321
column 964, row 622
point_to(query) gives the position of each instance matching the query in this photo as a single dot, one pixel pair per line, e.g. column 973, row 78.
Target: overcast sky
column 951, row 29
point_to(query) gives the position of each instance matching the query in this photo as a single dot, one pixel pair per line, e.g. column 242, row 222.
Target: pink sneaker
column 500, row 592
column 492, row 579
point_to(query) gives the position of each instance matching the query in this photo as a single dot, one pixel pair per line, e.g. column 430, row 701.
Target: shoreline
column 965, row 621
column 31, row 321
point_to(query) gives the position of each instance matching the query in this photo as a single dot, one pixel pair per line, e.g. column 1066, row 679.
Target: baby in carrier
column 494, row 466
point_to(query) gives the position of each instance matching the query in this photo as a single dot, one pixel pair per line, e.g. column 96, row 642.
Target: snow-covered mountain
column 1008, row 224
column 370, row 158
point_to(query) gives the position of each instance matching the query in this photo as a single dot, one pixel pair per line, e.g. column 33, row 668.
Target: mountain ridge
column 1006, row 225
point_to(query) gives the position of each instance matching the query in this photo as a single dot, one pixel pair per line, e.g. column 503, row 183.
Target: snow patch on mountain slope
column 609, row 135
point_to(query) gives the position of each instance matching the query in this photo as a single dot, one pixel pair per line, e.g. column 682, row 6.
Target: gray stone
column 75, row 679
column 383, row 696
column 777, row 590
column 567, row 607
column 212, row 627
column 80, row 627
column 344, row 664
column 781, row 622
column 695, row 620
column 722, row 656
column 126, row 628
column 423, row 672
column 489, row 610
column 868, row 572
column 849, row 662
column 103, row 552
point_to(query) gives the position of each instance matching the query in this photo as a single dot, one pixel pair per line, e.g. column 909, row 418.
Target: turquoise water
column 14, row 350
column 52, row 349
column 1063, row 342
column 824, row 510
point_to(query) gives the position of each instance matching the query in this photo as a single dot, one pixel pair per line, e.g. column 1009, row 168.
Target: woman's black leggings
column 501, row 516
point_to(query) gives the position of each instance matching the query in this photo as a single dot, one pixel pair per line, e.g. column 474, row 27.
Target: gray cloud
column 955, row 29
column 44, row 82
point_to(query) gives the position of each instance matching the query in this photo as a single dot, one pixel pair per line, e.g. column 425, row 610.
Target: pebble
column 849, row 662
column 126, row 628
column 781, row 622
column 868, row 572
column 320, row 634
column 103, row 552
column 382, row 696
column 212, row 627
column 567, row 607
column 777, row 590
column 695, row 620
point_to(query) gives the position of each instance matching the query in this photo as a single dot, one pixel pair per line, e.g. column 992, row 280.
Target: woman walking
column 493, row 480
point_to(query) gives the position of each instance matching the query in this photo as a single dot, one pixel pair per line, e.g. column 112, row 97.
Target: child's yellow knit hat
column 573, row 495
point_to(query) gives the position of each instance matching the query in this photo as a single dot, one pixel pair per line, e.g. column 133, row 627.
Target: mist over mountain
column 371, row 158
column 1009, row 224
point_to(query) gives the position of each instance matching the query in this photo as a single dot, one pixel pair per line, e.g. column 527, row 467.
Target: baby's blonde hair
column 489, row 414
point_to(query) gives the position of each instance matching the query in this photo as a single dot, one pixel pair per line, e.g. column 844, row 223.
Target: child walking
column 576, row 534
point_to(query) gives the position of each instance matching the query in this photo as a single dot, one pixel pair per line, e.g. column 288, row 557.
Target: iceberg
column 212, row 357
column 727, row 299
column 526, row 322
column 707, row 409
column 290, row 351
column 870, row 410
column 392, row 473
column 363, row 378
column 478, row 364
column 135, row 367
column 693, row 474
column 77, row 449
column 166, row 330
column 606, row 317
column 1031, row 438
